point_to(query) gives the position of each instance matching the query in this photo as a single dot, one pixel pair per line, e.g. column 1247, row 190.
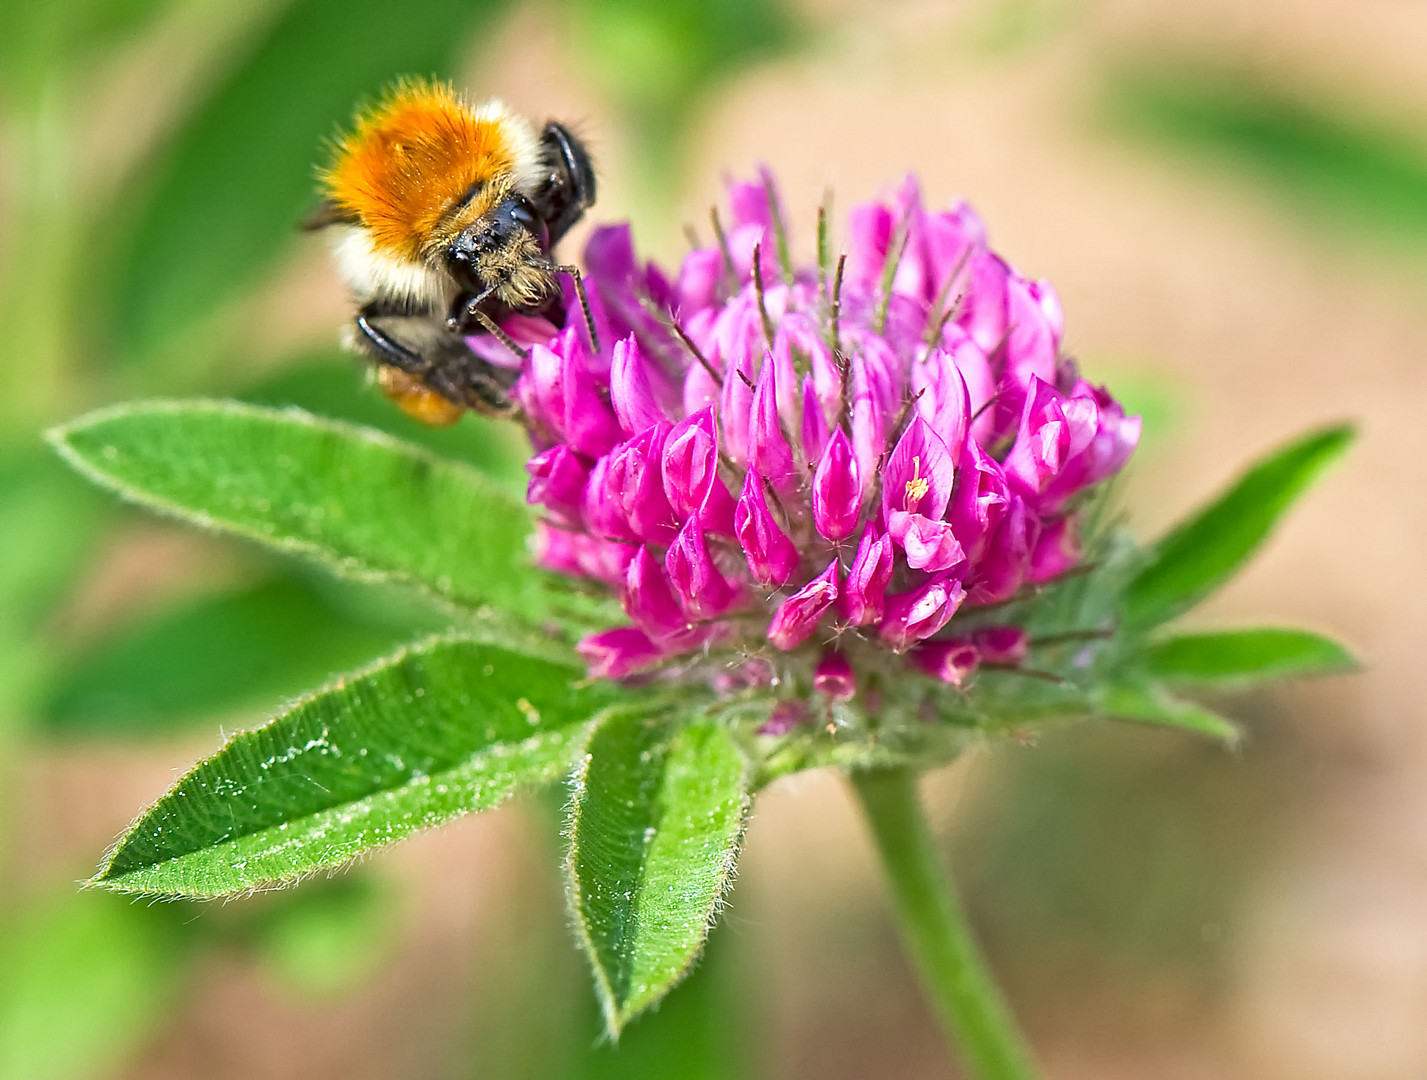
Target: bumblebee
column 443, row 217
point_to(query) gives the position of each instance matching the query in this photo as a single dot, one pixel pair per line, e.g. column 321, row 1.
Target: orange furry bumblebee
column 443, row 217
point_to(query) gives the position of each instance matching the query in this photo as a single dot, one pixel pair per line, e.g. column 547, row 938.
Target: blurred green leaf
column 654, row 828
column 1200, row 554
column 1144, row 704
column 657, row 54
column 84, row 981
column 361, row 503
column 1240, row 657
column 335, row 385
column 324, row 941
column 701, row 1030
column 250, row 647
column 49, row 526
column 1329, row 164
column 41, row 37
column 439, row 730
column 238, row 177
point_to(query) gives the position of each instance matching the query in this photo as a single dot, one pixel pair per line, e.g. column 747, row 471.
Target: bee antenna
column 574, row 272
column 500, row 335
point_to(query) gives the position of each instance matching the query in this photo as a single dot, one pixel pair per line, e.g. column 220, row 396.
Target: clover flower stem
column 934, row 929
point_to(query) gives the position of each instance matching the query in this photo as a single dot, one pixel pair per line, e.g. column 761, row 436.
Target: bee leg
column 488, row 394
column 388, row 348
column 491, row 327
column 570, row 190
column 464, row 308
column 574, row 272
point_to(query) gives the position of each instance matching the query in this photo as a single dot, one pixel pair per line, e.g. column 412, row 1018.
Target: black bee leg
column 389, row 349
column 574, row 272
column 571, row 188
column 491, row 394
column 500, row 335
column 464, row 307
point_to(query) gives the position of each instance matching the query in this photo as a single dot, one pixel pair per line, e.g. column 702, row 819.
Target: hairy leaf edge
column 349, row 568
column 615, row 1017
column 98, row 880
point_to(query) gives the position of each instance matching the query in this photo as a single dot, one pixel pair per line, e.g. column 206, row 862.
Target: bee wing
column 325, row 213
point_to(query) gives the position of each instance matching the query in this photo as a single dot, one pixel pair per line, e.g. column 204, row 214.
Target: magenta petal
column 919, row 475
column 736, row 409
column 941, row 396
column 797, row 618
column 980, row 500
column 602, row 513
column 786, row 715
column 555, row 550
column 1042, row 443
column 703, row 592
column 949, row 661
column 557, row 482
column 1031, row 340
column 771, row 556
column 833, row 677
column 815, row 432
column 870, row 227
column 837, row 489
column 603, row 560
column 920, row 613
column 1002, row 568
column 690, row 461
column 616, row 653
column 691, row 479
column 862, row 599
column 630, row 389
column 1056, row 551
column 930, row 545
column 589, row 422
column 983, row 311
column 634, row 482
column 650, row 602
column 768, row 450
column 699, row 278
column 1001, row 644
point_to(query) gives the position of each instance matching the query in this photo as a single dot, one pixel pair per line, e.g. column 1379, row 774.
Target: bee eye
column 523, row 214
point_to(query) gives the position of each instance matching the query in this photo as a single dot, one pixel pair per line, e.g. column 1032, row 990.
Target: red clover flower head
column 802, row 475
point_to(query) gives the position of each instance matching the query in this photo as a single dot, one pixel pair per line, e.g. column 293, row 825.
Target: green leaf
column 445, row 728
column 228, row 194
column 84, row 981
column 1237, row 657
column 1323, row 163
column 1200, row 554
column 367, row 506
column 252, row 646
column 321, row 943
column 328, row 384
column 1146, row 704
column 654, row 829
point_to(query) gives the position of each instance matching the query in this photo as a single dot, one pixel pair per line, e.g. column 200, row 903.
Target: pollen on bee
column 415, row 399
column 418, row 154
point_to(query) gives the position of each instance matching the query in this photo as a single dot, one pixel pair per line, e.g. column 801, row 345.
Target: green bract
column 662, row 777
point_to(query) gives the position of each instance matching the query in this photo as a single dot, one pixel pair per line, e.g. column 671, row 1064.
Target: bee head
column 504, row 249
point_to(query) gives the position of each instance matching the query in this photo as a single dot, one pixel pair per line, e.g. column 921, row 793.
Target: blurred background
column 1232, row 201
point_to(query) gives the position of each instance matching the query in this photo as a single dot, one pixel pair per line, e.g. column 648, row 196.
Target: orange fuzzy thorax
column 415, row 156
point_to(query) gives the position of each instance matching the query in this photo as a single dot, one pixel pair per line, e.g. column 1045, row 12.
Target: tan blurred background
column 1232, row 202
